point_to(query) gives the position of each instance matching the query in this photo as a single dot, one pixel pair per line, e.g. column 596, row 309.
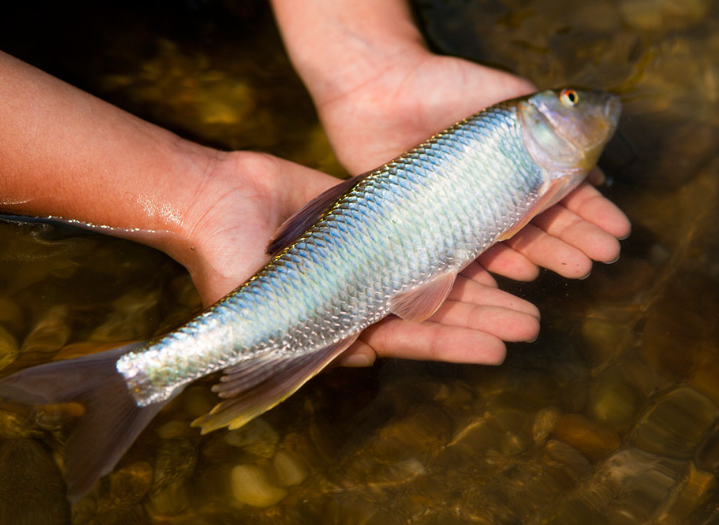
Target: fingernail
column 614, row 260
column 356, row 360
column 586, row 276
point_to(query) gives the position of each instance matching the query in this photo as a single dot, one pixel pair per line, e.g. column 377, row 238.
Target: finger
column 395, row 338
column 596, row 177
column 358, row 355
column 503, row 260
column 551, row 253
column 564, row 224
column 476, row 272
column 587, row 202
column 504, row 323
column 470, row 292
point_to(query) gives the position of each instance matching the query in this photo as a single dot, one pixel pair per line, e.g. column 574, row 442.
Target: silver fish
column 388, row 241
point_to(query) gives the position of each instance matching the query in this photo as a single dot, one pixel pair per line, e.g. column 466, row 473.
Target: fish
column 389, row 241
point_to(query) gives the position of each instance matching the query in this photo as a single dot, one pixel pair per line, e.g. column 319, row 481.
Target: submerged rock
column 251, row 485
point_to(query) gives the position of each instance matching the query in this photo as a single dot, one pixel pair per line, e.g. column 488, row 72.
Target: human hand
column 422, row 94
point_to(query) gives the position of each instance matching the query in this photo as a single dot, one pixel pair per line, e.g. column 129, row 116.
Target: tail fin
column 111, row 421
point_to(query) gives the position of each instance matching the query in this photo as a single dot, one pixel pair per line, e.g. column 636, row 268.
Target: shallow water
column 612, row 416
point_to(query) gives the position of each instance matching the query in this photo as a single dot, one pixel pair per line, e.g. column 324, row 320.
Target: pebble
column 257, row 437
column 198, row 401
column 675, row 423
column 544, row 422
column 613, row 401
column 686, row 496
column 50, row 333
column 251, row 486
column 425, row 429
column 290, row 470
column 590, row 438
column 176, row 429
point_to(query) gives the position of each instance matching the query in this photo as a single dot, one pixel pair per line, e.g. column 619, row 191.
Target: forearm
column 336, row 45
column 68, row 154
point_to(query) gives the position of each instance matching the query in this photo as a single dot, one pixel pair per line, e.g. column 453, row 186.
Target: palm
column 246, row 198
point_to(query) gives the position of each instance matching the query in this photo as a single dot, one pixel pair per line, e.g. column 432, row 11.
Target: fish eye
column 569, row 97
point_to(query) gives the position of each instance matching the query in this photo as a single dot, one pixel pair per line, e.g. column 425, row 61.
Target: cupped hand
column 403, row 104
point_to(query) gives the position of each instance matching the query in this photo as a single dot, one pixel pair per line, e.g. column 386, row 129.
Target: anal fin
column 256, row 386
column 420, row 303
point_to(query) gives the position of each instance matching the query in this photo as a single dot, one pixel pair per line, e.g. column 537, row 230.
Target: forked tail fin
column 111, row 420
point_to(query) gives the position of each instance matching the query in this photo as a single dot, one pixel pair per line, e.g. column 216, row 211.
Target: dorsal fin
column 306, row 216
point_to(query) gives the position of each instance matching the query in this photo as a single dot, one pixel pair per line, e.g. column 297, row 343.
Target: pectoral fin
column 555, row 191
column 420, row 303
column 254, row 387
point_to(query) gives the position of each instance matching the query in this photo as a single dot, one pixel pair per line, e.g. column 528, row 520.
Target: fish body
column 427, row 213
column 388, row 241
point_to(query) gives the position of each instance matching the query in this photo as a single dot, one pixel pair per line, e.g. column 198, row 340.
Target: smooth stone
column 290, row 470
column 424, row 429
column 257, row 437
column 590, row 438
column 198, row 401
column 544, row 422
column 613, row 402
column 50, row 333
column 176, row 429
column 687, row 496
column 170, row 501
column 251, row 486
column 675, row 423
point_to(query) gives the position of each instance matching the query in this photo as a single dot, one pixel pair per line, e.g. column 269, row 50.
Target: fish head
column 565, row 130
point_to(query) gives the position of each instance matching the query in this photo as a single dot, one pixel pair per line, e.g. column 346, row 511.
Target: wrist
column 350, row 43
column 186, row 204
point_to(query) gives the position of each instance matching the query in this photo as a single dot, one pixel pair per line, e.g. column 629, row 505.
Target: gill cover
column 565, row 130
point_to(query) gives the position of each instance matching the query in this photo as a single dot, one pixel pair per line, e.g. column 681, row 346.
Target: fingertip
column 359, row 355
column 493, row 354
column 596, row 177
column 356, row 361
column 610, row 252
column 529, row 332
column 579, row 269
column 624, row 230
